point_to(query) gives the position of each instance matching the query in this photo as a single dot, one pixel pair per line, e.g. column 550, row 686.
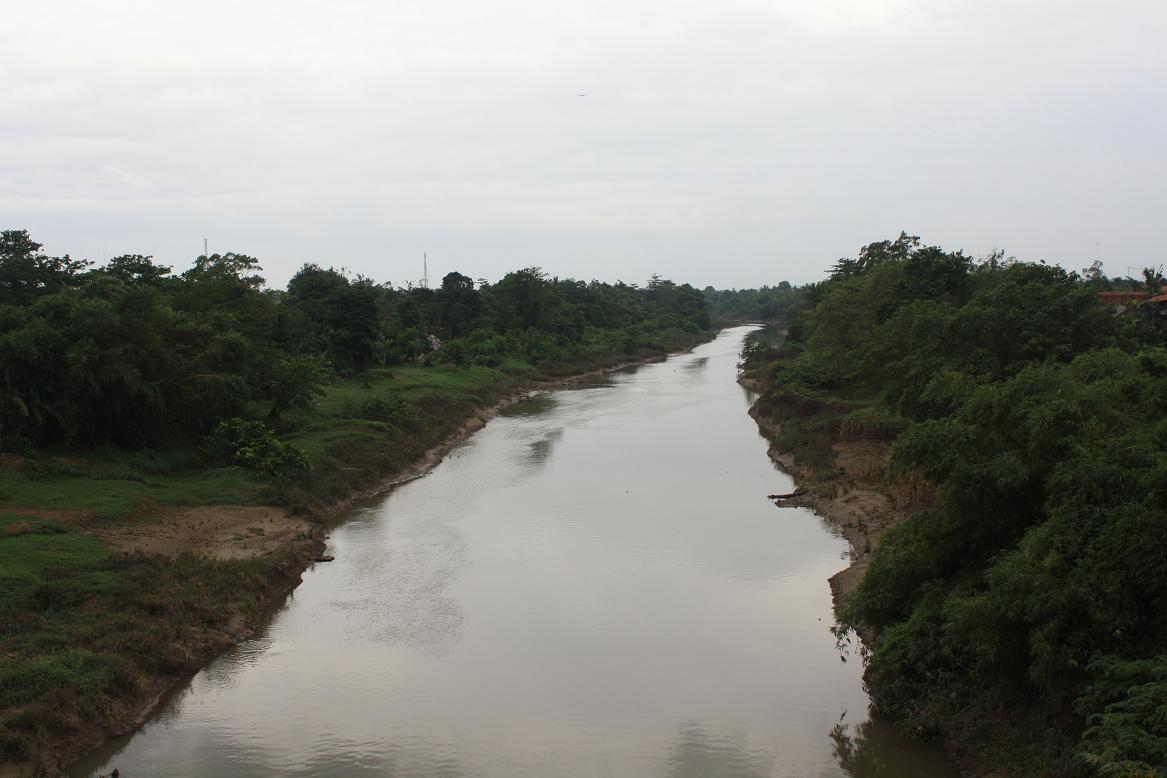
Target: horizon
column 177, row 268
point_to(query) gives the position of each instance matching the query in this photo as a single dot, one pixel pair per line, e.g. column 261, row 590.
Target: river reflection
column 873, row 749
column 697, row 753
column 593, row 585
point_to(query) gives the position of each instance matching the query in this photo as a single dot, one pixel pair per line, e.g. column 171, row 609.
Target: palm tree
column 1153, row 280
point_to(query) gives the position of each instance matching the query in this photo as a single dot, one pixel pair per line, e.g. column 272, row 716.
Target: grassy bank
column 93, row 635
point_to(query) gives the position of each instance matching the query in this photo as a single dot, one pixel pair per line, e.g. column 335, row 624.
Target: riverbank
column 840, row 470
column 838, row 455
column 101, row 628
column 458, row 607
column 96, row 636
column 847, row 497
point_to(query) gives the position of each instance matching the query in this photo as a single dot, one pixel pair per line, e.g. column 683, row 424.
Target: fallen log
column 788, row 496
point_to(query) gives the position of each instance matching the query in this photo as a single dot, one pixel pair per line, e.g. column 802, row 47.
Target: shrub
column 252, row 445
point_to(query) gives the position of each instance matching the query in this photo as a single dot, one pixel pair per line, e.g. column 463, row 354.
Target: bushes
column 870, row 424
column 1037, row 577
column 1127, row 733
column 252, row 445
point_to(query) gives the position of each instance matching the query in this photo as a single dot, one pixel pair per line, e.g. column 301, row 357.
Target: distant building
column 1124, row 303
column 1123, row 298
column 1158, row 304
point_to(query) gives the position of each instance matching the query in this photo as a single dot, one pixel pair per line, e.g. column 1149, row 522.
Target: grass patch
column 110, row 492
column 84, row 626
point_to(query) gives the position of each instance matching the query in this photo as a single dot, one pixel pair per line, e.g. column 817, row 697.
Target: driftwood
column 324, row 559
column 788, row 496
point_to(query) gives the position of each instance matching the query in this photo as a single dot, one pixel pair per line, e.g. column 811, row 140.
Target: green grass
column 361, row 430
column 108, row 493
column 376, row 422
column 83, row 626
column 371, row 426
column 29, row 546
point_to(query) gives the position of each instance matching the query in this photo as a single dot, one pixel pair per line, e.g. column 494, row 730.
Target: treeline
column 1022, row 613
column 134, row 354
column 767, row 303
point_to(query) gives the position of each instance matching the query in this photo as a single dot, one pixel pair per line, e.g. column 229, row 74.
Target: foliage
column 1035, row 581
column 296, row 382
column 131, row 354
column 767, row 303
column 131, row 386
column 252, row 445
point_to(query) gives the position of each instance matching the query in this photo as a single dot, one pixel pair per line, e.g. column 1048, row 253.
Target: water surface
column 593, row 585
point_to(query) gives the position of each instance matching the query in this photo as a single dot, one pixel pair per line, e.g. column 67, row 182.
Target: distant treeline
column 768, row 303
column 133, row 354
column 1024, row 612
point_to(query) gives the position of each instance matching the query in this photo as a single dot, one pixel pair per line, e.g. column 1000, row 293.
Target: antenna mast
column 206, row 253
column 425, row 265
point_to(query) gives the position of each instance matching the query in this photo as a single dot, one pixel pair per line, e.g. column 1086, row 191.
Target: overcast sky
column 725, row 142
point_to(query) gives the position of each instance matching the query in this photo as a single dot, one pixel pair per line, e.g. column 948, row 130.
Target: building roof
column 1123, row 298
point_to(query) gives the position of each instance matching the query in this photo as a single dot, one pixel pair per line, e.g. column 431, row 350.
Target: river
column 593, row 585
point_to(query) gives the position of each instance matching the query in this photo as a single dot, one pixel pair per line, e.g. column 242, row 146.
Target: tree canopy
column 1035, row 583
column 133, row 354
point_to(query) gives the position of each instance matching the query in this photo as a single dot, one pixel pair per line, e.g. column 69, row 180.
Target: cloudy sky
column 725, row 142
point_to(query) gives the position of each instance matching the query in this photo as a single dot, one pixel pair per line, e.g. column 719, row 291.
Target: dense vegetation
column 134, row 355
column 1022, row 613
column 768, row 303
column 128, row 390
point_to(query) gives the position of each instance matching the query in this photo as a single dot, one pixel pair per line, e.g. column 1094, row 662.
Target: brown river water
column 593, row 585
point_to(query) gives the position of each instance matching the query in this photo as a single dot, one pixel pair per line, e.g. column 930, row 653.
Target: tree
column 522, row 298
column 296, row 383
column 326, row 313
column 1153, row 279
column 459, row 305
column 26, row 273
column 135, row 268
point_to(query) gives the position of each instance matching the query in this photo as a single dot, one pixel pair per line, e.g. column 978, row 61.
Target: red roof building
column 1126, row 298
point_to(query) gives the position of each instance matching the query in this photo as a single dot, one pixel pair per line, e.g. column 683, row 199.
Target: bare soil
column 216, row 531
column 858, row 499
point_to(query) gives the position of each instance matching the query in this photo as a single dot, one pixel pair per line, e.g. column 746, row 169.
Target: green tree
column 296, row 383
column 26, row 273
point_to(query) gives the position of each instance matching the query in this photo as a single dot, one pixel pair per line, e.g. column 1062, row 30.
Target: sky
column 733, row 143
